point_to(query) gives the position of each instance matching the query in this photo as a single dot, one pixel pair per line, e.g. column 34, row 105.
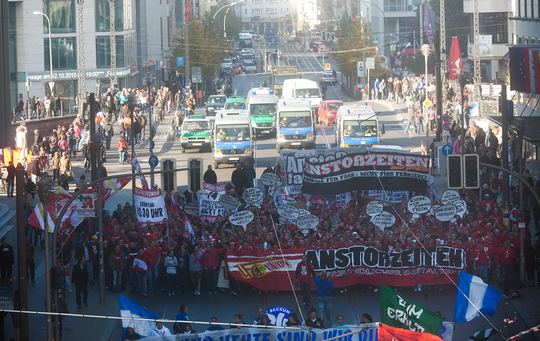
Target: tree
column 354, row 45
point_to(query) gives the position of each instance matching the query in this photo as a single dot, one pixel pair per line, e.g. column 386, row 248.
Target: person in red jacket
column 506, row 257
column 481, row 259
column 210, row 262
column 304, row 277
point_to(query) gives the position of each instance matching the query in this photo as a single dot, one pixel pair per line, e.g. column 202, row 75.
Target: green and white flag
column 403, row 313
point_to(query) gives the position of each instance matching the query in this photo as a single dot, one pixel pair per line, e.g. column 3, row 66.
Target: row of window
column 268, row 10
column 64, row 53
column 528, row 9
column 62, row 15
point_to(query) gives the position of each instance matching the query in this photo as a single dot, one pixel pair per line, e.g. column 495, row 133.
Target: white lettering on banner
column 366, row 174
column 366, row 332
column 209, row 206
column 150, row 206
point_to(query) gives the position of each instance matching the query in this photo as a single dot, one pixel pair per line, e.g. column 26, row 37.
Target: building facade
column 264, row 16
column 136, row 44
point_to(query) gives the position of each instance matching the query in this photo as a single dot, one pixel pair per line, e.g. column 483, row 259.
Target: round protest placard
column 374, row 207
column 191, row 209
column 242, row 218
column 307, row 222
column 383, row 220
column 288, row 212
column 445, row 212
column 270, row 178
column 449, row 196
column 461, row 207
column 254, row 196
column 302, row 212
column 228, row 201
column 433, row 209
column 419, row 205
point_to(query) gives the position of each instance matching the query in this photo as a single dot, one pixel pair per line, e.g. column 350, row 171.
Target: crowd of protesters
column 37, row 108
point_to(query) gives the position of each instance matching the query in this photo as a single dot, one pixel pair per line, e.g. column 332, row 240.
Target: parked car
column 328, row 110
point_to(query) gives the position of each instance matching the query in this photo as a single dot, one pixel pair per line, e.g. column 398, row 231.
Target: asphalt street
column 352, row 303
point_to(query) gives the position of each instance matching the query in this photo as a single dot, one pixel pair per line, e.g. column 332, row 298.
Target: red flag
column 388, row 333
column 455, row 61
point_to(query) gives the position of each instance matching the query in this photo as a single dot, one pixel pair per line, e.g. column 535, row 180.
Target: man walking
column 10, row 179
column 6, row 260
column 80, row 279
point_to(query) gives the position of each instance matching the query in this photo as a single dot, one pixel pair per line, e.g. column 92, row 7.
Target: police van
column 357, row 125
column 196, row 133
column 302, row 88
column 295, row 125
column 233, row 139
column 262, row 107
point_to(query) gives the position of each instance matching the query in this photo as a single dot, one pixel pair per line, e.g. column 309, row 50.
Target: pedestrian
column 314, row 321
column 65, row 166
column 10, row 179
column 196, row 269
column 160, row 330
column 80, row 279
column 213, row 326
column 181, row 315
column 6, row 260
column 210, row 261
column 324, row 296
column 210, row 176
column 122, row 150
column 171, row 263
column 117, row 262
column 304, row 277
column 340, row 321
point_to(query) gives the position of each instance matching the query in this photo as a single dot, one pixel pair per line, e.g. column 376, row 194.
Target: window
column 103, row 52
column 64, row 54
column 495, row 24
column 102, row 15
column 62, row 15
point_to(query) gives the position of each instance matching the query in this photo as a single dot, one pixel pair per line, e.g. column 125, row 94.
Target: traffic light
column 471, row 167
column 454, row 175
column 168, row 179
column 195, row 174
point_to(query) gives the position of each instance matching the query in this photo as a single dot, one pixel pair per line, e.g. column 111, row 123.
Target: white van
column 302, row 89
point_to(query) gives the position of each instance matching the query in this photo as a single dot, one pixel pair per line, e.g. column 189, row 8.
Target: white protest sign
column 445, row 212
column 433, row 209
column 149, row 206
column 307, row 222
column 270, row 178
column 242, row 218
column 461, row 207
column 419, row 205
column 85, row 207
column 228, row 201
column 374, row 208
column 254, row 196
column 449, row 196
column 288, row 212
column 209, row 207
column 303, row 212
column 383, row 220
column 191, row 209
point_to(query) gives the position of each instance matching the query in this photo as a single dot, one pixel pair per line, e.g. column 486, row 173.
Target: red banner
column 349, row 265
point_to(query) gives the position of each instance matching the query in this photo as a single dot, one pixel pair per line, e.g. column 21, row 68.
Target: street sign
column 153, row 161
column 327, row 67
column 427, row 103
column 521, row 225
column 85, row 205
column 447, row 149
column 370, row 63
column 196, row 74
column 179, row 61
column 360, row 69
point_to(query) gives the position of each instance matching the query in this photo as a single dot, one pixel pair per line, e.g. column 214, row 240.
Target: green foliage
column 354, row 39
column 415, row 64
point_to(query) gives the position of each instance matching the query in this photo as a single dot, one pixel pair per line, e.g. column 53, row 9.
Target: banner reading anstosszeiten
column 150, row 206
column 397, row 171
column 349, row 265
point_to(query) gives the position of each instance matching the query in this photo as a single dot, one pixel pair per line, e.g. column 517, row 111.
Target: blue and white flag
column 278, row 315
column 474, row 296
column 131, row 309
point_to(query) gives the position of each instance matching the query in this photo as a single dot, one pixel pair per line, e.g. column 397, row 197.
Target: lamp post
column 51, row 80
column 228, row 7
column 426, row 50
column 44, row 187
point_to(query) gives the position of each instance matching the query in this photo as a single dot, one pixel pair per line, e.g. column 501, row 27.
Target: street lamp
column 426, row 50
column 228, row 7
column 51, row 80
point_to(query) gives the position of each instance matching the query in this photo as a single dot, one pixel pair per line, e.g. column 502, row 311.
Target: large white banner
column 150, row 206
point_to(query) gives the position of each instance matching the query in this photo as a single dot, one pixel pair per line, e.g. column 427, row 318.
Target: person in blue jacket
column 325, row 288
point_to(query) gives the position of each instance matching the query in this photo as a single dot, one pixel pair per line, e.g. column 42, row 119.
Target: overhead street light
column 228, row 7
column 51, row 80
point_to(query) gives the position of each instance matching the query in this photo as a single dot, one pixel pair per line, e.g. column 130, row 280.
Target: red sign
column 349, row 265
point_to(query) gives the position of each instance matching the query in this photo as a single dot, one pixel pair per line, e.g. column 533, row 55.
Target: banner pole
column 99, row 215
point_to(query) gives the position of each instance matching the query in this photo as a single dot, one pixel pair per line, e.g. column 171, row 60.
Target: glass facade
column 64, row 53
column 102, row 15
column 103, row 52
column 61, row 14
column 496, row 25
column 12, row 38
